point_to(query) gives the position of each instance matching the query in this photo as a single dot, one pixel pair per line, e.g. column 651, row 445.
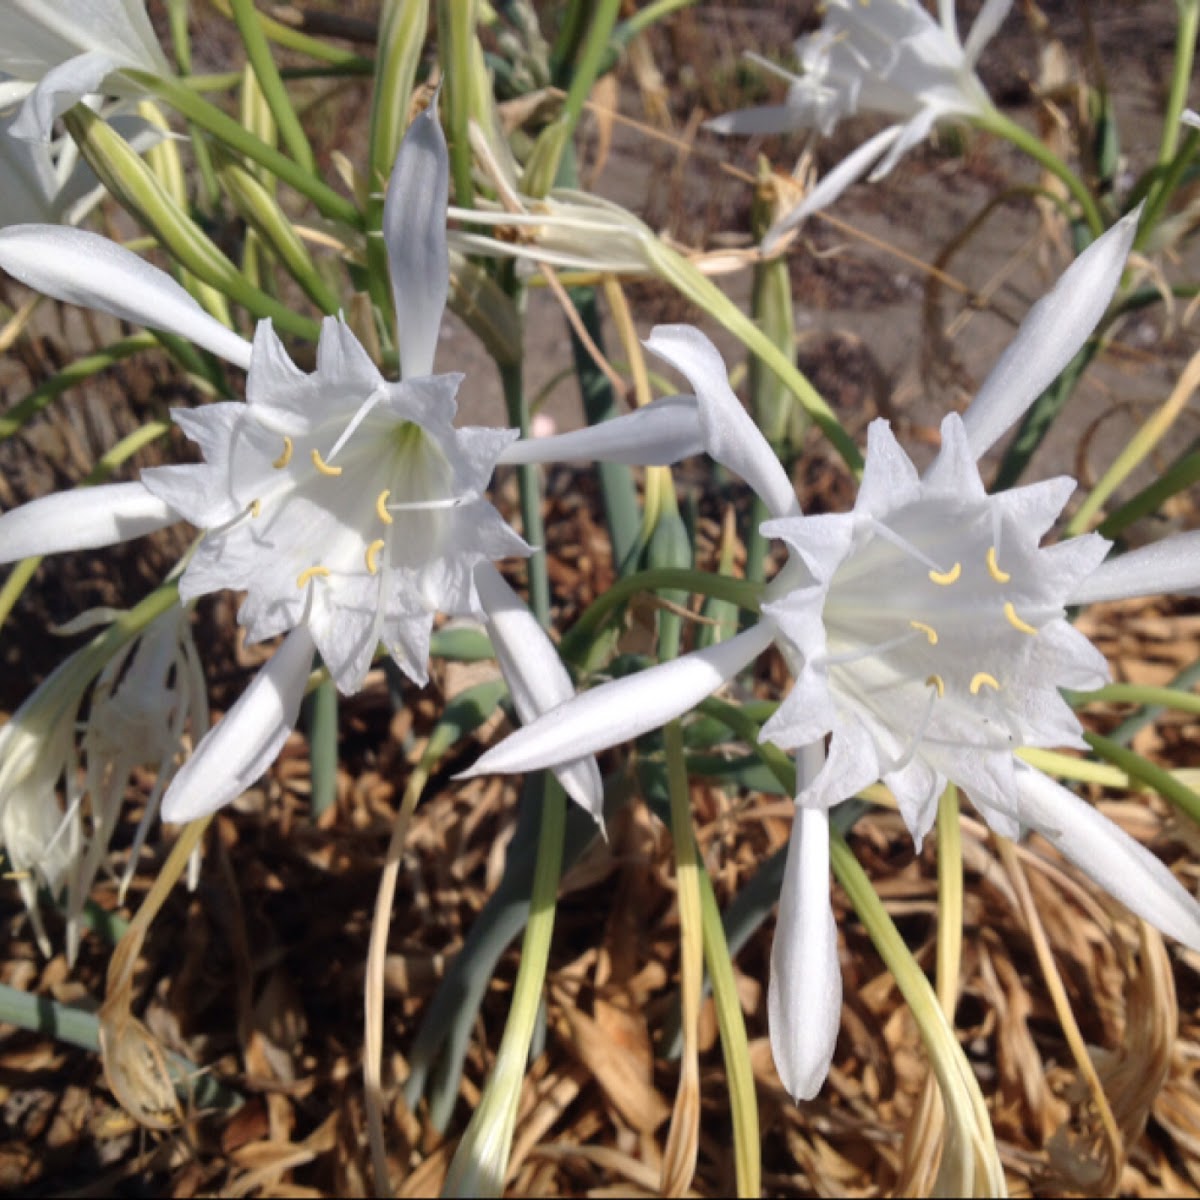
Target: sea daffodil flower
column 890, row 57
column 47, row 181
column 927, row 635
column 143, row 692
column 349, row 508
column 55, row 53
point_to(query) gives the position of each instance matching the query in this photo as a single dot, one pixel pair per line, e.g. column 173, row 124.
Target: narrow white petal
column 233, row 754
column 729, row 432
column 83, row 268
column 991, row 17
column 850, row 170
column 623, row 708
column 1050, row 336
column 659, row 434
column 82, row 519
column 536, row 677
column 947, row 18
column 767, row 119
column 414, row 228
column 1172, row 565
column 1190, row 117
column 60, row 88
column 1109, row 856
column 804, row 999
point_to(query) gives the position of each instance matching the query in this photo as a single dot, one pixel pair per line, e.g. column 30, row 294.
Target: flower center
column 926, row 621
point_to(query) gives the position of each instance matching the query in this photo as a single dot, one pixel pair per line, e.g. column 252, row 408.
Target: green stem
column 258, row 51
column 481, row 1160
column 1136, row 767
column 1181, row 76
column 970, row 1131
column 741, row 592
column 52, row 1019
column 19, row 577
column 680, row 1155
column 739, row 1074
column 78, row 371
column 587, row 66
column 996, row 122
column 456, row 31
column 1177, row 478
column 223, row 127
column 530, row 486
column 1164, row 187
column 950, row 900
column 295, row 39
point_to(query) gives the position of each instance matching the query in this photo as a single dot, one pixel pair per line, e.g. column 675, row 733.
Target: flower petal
column 84, row 268
column 60, row 88
column 82, row 519
column 659, row 434
column 850, row 170
column 243, row 745
column 729, row 432
column 414, row 228
column 536, row 677
column 766, row 119
column 1172, row 565
column 623, row 708
column 991, row 17
column 804, row 999
column 1050, row 336
column 1109, row 856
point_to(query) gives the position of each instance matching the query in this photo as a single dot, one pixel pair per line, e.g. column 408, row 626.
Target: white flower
column 137, row 722
column 48, row 181
column 926, row 631
column 349, row 508
column 55, row 52
column 885, row 56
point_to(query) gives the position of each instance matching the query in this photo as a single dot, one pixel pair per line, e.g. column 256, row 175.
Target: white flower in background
column 139, row 722
column 148, row 699
column 884, row 56
column 567, row 228
column 48, row 181
column 55, row 52
column 349, row 508
column 927, row 635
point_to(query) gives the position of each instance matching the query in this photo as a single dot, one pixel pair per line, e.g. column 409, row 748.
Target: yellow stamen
column 927, row 630
column 946, row 578
column 311, row 573
column 323, row 466
column 381, row 507
column 286, row 457
column 981, row 680
column 372, row 556
column 938, row 682
column 256, row 508
column 1010, row 614
column 994, row 568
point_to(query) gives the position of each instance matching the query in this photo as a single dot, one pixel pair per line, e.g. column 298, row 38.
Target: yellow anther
column 1010, row 614
column 311, row 573
column 323, row 466
column 286, row 457
column 994, row 568
column 946, row 578
column 381, row 507
column 372, row 555
column 927, row 630
column 982, row 679
column 936, row 681
column 256, row 508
